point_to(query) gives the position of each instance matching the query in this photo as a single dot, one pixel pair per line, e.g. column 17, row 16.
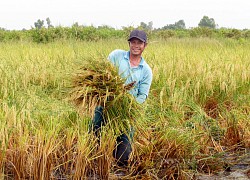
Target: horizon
column 110, row 26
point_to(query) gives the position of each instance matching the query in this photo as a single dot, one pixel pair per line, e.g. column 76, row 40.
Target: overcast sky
column 19, row 14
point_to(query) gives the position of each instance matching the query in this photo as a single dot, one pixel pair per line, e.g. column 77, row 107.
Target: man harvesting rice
column 132, row 67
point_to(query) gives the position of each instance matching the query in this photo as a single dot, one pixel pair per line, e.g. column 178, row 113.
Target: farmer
column 138, row 74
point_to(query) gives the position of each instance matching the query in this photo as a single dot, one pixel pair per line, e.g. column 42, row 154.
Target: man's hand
column 129, row 86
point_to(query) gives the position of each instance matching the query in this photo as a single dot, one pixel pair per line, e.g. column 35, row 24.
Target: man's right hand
column 129, row 86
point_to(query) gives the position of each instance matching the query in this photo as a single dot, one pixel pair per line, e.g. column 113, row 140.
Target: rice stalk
column 97, row 83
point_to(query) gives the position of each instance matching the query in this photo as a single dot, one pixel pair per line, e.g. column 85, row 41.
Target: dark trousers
column 123, row 146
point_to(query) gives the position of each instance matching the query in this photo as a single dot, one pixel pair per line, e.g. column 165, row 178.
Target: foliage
column 202, row 32
column 233, row 33
column 39, row 24
column 207, row 22
column 48, row 33
column 246, row 34
column 49, row 23
column 147, row 27
column 88, row 33
column 177, row 25
column 11, row 35
column 166, row 34
column 41, row 34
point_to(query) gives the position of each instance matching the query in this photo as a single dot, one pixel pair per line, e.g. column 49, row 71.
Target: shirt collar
column 126, row 56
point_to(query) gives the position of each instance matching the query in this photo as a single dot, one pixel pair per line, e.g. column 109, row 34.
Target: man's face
column 136, row 46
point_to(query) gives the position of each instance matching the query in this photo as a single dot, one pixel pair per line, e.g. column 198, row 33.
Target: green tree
column 148, row 26
column 76, row 25
column 49, row 23
column 207, row 22
column 143, row 25
column 180, row 24
column 39, row 24
column 177, row 25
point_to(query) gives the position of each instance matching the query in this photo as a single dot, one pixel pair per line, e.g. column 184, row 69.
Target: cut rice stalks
column 97, row 83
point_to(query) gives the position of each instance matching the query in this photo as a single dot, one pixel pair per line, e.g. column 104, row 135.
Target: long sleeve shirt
column 142, row 74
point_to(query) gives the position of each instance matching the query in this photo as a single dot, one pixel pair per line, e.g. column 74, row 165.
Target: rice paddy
column 197, row 113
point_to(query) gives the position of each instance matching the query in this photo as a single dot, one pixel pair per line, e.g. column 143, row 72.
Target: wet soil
column 239, row 168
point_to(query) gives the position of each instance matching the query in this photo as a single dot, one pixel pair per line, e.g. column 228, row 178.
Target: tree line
column 204, row 22
column 43, row 33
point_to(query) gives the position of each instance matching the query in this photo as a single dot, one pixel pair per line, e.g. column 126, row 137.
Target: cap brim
column 136, row 38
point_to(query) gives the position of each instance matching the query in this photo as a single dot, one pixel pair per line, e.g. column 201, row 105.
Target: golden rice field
column 196, row 118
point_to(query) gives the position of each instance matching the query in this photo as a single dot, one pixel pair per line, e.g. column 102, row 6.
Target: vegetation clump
column 97, row 83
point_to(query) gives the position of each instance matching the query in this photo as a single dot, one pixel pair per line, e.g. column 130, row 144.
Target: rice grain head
column 97, row 83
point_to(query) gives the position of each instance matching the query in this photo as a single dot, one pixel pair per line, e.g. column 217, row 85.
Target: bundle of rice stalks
column 97, row 83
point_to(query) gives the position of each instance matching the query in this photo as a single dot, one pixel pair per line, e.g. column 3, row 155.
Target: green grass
column 198, row 109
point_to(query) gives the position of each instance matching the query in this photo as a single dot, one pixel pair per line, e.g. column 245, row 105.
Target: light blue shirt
column 141, row 74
